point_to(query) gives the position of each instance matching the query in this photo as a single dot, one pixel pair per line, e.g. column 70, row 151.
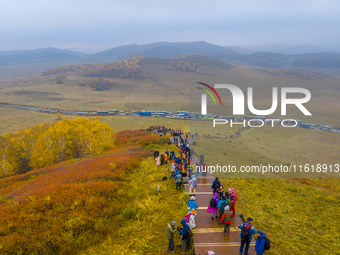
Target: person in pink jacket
column 213, row 208
column 233, row 198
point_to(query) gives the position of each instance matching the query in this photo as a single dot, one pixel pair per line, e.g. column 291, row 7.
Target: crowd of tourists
column 221, row 205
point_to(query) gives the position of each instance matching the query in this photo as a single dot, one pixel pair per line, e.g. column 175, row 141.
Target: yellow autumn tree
column 67, row 139
column 92, row 137
column 6, row 160
column 23, row 143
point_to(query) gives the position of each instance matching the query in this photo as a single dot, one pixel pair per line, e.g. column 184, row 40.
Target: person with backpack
column 170, row 231
column 178, row 179
column 212, row 208
column 226, row 219
column 193, row 185
column 185, row 235
column 247, row 232
column 192, row 203
column 262, row 243
column 215, row 185
column 221, row 205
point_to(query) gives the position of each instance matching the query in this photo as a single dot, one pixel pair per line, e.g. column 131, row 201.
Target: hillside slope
column 69, row 207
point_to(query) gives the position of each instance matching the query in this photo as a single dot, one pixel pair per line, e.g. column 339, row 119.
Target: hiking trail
column 208, row 234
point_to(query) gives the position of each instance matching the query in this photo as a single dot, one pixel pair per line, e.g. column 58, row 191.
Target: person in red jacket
column 226, row 219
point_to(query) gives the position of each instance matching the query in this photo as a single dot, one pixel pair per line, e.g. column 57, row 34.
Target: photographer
column 171, row 229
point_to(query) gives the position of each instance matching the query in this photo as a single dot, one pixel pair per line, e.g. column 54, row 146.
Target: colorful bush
column 69, row 206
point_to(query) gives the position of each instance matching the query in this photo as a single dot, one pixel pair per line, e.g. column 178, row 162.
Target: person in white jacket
column 193, row 185
column 192, row 220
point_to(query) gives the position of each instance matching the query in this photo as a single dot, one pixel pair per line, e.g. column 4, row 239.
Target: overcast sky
column 91, row 26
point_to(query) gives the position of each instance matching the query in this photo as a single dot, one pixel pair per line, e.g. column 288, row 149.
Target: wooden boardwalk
column 208, row 234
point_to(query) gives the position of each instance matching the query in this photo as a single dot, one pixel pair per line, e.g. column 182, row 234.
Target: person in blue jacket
column 178, row 178
column 184, row 234
column 247, row 225
column 192, row 203
column 260, row 242
column 220, row 209
column 215, row 185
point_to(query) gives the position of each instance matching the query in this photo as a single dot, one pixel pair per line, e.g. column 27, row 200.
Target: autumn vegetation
column 293, row 72
column 128, row 68
column 186, row 66
column 108, row 202
column 45, row 145
column 100, row 84
column 60, row 78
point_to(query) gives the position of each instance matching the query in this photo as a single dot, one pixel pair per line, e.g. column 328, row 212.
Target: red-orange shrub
column 61, row 208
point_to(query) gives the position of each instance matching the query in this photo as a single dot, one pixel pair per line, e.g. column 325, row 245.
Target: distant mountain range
column 52, row 57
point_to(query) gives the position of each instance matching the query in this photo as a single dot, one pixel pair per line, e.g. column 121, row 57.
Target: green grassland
column 14, row 119
column 272, row 145
column 205, row 127
column 299, row 215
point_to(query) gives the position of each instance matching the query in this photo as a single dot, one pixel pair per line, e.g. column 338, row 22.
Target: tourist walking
column 192, row 203
column 213, row 208
column 247, row 232
column 193, row 185
column 216, row 185
column 226, row 219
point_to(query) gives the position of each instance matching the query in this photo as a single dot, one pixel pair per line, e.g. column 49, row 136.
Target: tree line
column 128, row 68
column 45, row 145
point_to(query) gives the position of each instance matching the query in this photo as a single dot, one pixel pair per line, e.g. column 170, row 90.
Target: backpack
column 235, row 197
column 228, row 200
column 245, row 233
column 266, row 244
column 216, row 185
column 189, row 239
column 194, row 184
column 213, row 203
column 187, row 218
column 188, row 235
column 223, row 205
